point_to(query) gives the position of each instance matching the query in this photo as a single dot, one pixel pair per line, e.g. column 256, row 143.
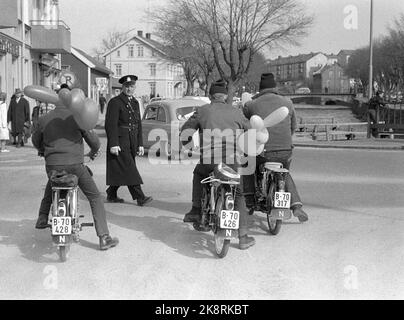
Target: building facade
column 93, row 77
column 296, row 71
column 141, row 55
column 31, row 40
column 331, row 79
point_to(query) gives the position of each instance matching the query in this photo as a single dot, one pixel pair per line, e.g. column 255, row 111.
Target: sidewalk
column 359, row 143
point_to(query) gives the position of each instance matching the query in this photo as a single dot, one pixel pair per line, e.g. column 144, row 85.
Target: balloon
column 42, row 94
column 248, row 143
column 87, row 117
column 257, row 122
column 66, row 97
column 262, row 136
column 77, row 101
column 275, row 117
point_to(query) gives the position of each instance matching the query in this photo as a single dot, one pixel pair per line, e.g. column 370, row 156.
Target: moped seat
column 225, row 173
column 62, row 179
column 273, row 165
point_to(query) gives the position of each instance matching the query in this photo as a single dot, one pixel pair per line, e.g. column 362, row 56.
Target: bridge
column 321, row 98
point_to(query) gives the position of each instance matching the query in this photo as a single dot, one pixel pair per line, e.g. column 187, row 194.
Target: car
column 161, row 124
column 303, row 90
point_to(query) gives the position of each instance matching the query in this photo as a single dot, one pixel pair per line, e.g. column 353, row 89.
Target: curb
column 308, row 145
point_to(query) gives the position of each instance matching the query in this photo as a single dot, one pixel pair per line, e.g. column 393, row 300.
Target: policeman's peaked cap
column 128, row 79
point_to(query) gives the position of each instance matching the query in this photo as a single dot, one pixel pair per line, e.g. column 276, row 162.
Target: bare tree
column 235, row 30
column 111, row 40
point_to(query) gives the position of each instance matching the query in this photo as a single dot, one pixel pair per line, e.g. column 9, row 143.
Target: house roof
column 293, row 59
column 149, row 42
column 90, row 61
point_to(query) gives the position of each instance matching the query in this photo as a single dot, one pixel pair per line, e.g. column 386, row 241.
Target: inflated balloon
column 77, row 101
column 87, row 117
column 276, row 117
column 41, row 93
column 66, row 97
column 262, row 136
column 257, row 122
column 248, row 143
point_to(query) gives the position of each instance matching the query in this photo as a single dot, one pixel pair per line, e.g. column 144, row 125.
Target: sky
column 338, row 24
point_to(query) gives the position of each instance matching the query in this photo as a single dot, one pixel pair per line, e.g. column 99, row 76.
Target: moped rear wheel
column 221, row 243
column 274, row 225
column 62, row 252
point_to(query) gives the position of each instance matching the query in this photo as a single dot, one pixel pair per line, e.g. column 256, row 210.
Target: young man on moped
column 60, row 140
column 221, row 117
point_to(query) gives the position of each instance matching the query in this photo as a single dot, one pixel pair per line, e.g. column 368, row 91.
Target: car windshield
column 185, row 113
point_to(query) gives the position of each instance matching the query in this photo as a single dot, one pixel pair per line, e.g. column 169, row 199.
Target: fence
column 329, row 129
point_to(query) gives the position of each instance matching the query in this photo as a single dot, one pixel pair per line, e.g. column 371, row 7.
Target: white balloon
column 276, row 117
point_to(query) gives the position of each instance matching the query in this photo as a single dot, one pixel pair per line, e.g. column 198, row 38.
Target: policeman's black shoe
column 42, row 222
column 106, row 242
column 245, row 242
column 193, row 216
column 145, row 200
column 300, row 214
column 115, row 200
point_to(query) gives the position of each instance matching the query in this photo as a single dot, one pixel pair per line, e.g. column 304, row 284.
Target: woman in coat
column 124, row 141
column 4, row 134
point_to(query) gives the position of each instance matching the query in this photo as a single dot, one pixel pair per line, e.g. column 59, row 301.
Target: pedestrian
column 217, row 116
column 102, row 102
column 36, row 113
column 124, row 142
column 60, row 140
column 19, row 116
column 4, row 132
column 279, row 146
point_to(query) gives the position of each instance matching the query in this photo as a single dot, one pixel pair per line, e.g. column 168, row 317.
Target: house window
column 152, row 89
column 153, row 53
column 131, row 50
column 301, row 67
column 118, row 69
column 118, row 53
column 278, row 70
column 66, row 68
column 331, row 74
column 153, row 69
column 140, row 51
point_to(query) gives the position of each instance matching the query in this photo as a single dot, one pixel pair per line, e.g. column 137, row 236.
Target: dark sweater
column 60, row 139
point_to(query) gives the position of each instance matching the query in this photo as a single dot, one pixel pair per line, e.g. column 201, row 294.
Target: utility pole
column 371, row 52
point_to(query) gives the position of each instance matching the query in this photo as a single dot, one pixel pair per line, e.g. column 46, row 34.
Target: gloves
column 115, row 150
column 140, row 151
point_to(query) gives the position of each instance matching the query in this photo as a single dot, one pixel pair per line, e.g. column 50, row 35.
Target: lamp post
column 371, row 52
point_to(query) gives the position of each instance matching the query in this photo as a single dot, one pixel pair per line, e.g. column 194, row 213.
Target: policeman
column 124, row 142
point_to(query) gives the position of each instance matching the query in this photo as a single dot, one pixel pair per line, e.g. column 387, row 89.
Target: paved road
column 351, row 248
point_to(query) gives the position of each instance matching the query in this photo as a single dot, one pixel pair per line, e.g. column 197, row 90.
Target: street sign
column 102, row 83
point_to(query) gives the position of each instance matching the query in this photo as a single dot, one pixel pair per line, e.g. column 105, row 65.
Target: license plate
column 229, row 219
column 282, row 200
column 61, row 226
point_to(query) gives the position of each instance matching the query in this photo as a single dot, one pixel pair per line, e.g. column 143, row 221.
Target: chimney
column 148, row 35
column 140, row 33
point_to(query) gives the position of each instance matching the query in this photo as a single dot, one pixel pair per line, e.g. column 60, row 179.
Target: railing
column 49, row 23
column 329, row 129
column 388, row 120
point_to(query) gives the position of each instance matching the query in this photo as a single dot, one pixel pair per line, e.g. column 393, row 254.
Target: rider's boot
column 299, row 213
column 245, row 242
column 194, row 215
column 106, row 242
column 42, row 222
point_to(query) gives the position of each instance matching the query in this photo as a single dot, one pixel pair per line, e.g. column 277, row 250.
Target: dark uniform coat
column 124, row 129
column 18, row 114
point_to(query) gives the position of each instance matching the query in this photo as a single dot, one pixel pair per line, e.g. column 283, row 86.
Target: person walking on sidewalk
column 4, row 133
column 123, row 126
column 19, row 116
column 279, row 146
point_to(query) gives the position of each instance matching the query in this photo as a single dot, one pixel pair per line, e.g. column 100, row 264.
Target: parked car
column 161, row 124
column 303, row 90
